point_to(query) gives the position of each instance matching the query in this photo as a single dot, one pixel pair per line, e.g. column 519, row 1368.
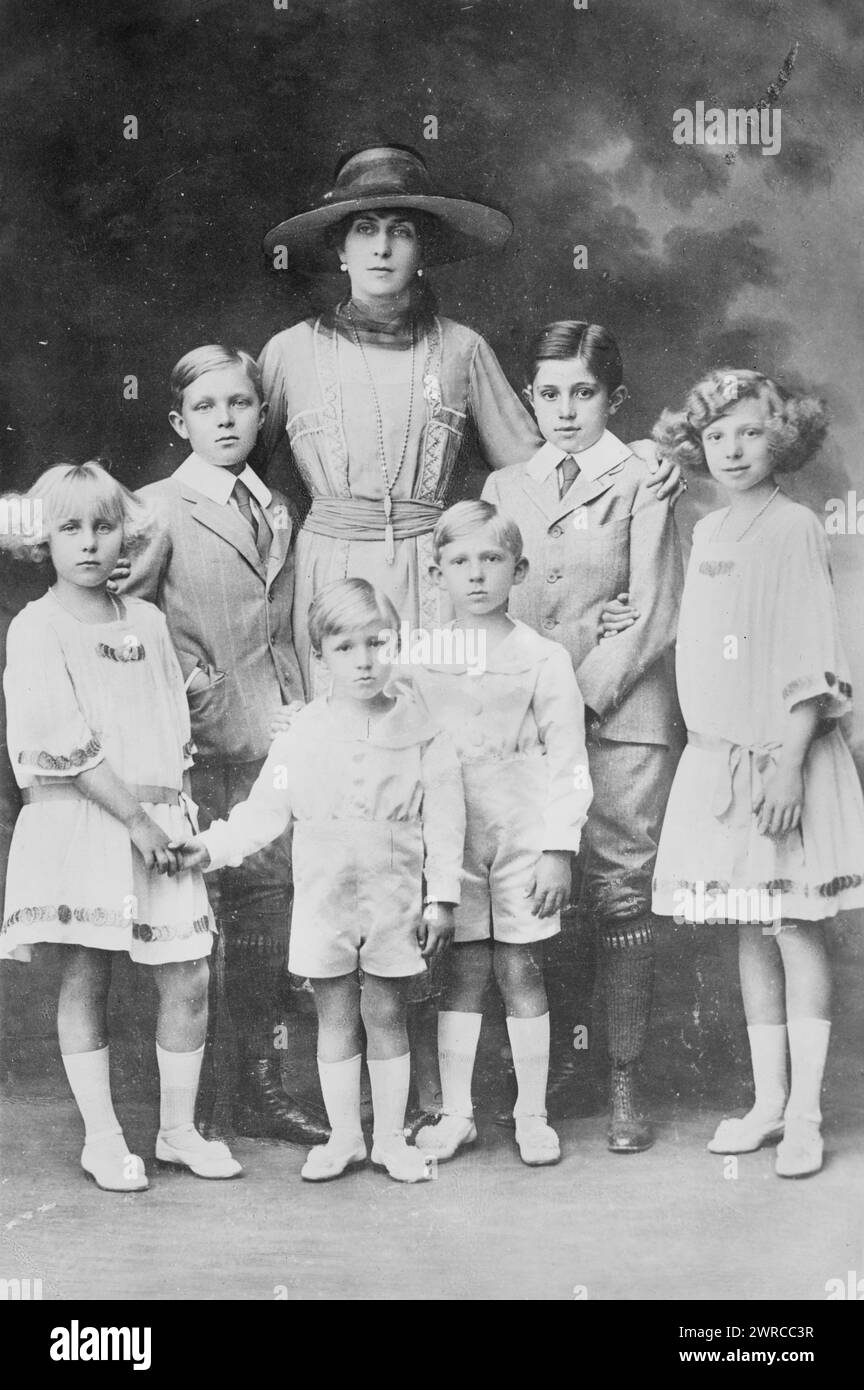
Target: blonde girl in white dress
column 765, row 823
column 99, row 739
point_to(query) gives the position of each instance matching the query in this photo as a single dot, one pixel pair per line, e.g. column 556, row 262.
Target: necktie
column 243, row 498
column 568, row 473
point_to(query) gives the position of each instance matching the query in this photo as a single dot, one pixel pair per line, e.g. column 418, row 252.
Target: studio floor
column 673, row 1223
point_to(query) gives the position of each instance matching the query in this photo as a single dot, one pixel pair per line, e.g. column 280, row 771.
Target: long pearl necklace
column 753, row 519
column 389, row 483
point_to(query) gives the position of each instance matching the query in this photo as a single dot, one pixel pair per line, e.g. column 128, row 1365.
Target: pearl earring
column 342, row 265
column 420, row 273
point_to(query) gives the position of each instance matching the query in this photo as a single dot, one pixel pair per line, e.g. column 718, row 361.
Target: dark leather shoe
column 264, row 1111
column 417, row 1119
column 629, row 1133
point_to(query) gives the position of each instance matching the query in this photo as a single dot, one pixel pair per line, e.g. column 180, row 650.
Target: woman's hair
column 467, row 517
column 796, row 424
column 569, row 338
column 212, row 358
column 345, row 606
column 62, row 491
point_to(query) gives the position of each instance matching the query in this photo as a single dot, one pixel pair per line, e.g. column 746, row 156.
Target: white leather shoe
column 403, row 1163
column 744, row 1135
column 112, row 1167
column 206, row 1158
column 328, row 1161
column 445, row 1139
column 800, row 1153
column 537, row 1141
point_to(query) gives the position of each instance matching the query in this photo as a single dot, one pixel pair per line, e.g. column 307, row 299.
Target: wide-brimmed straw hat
column 387, row 176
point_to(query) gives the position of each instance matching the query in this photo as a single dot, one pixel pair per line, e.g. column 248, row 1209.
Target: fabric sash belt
column 752, row 761
column 755, row 759
column 355, row 519
column 68, row 791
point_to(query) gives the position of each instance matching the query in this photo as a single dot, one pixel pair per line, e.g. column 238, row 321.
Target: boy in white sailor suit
column 593, row 530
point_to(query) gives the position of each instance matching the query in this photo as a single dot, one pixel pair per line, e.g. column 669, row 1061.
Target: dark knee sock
column 570, row 970
column 423, row 1043
column 254, row 975
column 628, row 955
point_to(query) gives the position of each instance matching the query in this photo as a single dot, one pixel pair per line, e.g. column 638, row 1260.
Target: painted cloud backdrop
column 118, row 255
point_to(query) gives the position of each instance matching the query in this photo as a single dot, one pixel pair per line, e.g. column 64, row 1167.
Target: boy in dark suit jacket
column 218, row 565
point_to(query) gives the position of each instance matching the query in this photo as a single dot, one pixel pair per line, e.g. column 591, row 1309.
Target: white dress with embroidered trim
column 78, row 693
column 759, row 632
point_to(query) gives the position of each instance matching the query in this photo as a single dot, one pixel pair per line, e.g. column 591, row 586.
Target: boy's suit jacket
column 607, row 534
column 227, row 611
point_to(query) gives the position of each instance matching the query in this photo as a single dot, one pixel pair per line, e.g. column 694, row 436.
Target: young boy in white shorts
column 516, row 717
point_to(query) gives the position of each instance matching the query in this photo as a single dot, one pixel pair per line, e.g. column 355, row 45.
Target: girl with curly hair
column 765, row 823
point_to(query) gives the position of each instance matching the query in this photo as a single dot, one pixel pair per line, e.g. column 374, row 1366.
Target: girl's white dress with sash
column 758, row 632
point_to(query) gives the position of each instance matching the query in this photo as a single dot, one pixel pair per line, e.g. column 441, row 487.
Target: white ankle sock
column 89, row 1078
column 458, row 1036
column 340, row 1087
column 808, row 1050
column 389, row 1077
column 768, row 1058
column 179, row 1073
column 529, row 1043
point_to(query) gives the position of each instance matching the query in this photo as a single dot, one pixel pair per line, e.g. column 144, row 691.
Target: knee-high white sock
column 340, row 1087
column 89, row 1078
column 529, row 1043
column 768, row 1058
column 389, row 1077
column 808, row 1050
column 179, row 1074
column 458, row 1036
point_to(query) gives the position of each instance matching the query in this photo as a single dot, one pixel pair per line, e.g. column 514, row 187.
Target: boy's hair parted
column 61, row 491
column 568, row 338
column 345, row 606
column 466, row 517
column 796, row 423
column 212, row 358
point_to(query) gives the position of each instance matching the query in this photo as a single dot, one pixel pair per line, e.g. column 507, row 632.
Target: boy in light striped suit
column 218, row 564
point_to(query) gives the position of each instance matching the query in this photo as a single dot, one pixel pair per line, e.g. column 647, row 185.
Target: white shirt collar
column 218, row 483
column 598, row 459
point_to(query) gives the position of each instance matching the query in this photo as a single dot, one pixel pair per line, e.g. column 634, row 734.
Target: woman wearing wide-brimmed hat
column 368, row 403
column 372, row 398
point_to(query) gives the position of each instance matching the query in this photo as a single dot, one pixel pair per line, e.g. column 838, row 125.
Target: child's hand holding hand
column 550, row 886
column 617, row 616
column 190, row 854
column 284, row 718
column 782, row 800
column 436, row 930
column 152, row 844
